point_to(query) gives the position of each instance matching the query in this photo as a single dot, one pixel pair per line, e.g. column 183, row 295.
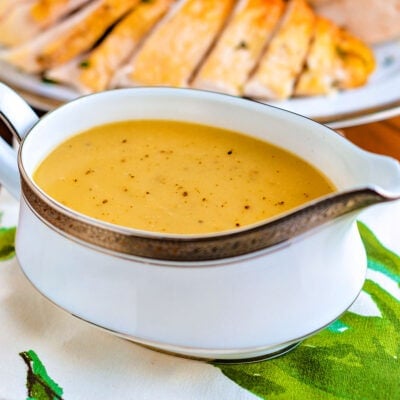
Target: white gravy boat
column 245, row 294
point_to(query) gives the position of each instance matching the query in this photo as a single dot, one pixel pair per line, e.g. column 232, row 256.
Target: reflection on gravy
column 176, row 177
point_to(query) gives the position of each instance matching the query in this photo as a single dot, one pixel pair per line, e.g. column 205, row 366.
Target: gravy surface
column 176, row 177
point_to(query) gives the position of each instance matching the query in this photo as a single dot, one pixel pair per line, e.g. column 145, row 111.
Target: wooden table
column 379, row 137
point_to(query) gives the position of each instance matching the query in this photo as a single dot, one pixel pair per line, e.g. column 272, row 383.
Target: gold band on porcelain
column 131, row 242
column 215, row 246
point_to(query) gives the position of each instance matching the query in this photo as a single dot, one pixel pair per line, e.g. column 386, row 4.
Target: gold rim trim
column 264, row 236
column 153, row 247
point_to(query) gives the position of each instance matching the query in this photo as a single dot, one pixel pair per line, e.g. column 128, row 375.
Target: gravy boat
column 245, row 294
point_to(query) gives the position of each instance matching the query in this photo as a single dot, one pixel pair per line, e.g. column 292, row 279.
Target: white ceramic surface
column 243, row 308
column 235, row 308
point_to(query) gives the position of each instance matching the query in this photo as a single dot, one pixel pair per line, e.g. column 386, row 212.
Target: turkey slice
column 175, row 48
column 68, row 39
column 93, row 72
column 318, row 76
column 7, row 6
column 239, row 48
column 337, row 60
column 28, row 19
column 284, row 58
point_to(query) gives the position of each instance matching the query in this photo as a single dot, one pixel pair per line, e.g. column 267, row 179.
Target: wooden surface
column 379, row 137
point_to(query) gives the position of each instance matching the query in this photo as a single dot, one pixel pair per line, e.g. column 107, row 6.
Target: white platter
column 379, row 99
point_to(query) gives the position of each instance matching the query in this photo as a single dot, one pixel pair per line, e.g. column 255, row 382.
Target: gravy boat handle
column 19, row 118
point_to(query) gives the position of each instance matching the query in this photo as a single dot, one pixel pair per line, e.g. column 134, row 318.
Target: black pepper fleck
column 84, row 64
column 242, row 45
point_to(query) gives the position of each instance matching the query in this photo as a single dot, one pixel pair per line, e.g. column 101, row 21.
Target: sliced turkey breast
column 28, row 19
column 262, row 49
column 354, row 61
column 6, row 6
column 92, row 72
column 174, row 49
column 337, row 60
column 239, row 48
column 68, row 39
column 284, row 58
column 318, row 76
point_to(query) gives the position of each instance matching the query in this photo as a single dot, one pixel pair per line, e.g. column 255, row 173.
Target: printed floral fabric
column 46, row 353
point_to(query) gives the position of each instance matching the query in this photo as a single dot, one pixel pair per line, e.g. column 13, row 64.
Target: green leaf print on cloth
column 7, row 238
column 40, row 386
column 356, row 358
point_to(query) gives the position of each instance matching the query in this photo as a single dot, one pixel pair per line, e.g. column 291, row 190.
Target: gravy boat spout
column 322, row 211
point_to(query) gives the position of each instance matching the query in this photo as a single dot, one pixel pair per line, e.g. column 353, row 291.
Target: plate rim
column 366, row 115
column 39, row 95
